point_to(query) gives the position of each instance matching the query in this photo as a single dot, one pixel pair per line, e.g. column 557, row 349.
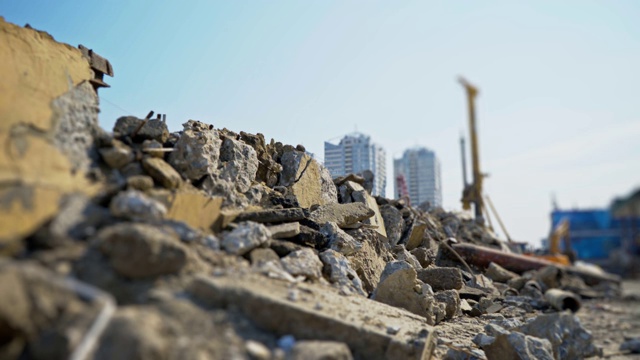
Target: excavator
column 473, row 193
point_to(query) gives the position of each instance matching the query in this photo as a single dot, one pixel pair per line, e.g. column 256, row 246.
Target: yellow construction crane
column 472, row 193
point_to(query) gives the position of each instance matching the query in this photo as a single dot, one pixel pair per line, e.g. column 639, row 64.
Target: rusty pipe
column 563, row 300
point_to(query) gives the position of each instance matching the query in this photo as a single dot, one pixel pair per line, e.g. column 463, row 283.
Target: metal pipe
column 562, row 300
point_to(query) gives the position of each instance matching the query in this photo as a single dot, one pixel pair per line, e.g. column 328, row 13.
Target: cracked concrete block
column 246, row 237
column 306, row 180
column 162, row 172
column 337, row 269
column 341, row 214
column 239, row 164
column 303, row 262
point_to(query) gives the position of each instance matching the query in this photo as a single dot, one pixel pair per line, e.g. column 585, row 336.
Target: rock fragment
column 393, row 223
column 338, row 271
column 442, row 278
column 303, row 262
column 118, row 155
column 339, row 240
column 239, row 164
column 151, row 130
column 497, row 273
column 273, row 215
column 135, row 205
column 516, row 345
column 161, row 172
column 319, row 350
column 451, row 299
column 197, row 151
column 246, row 237
column 284, row 231
column 341, row 214
column 397, row 287
column 141, row 250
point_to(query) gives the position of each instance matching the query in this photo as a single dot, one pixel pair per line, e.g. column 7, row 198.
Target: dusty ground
column 611, row 321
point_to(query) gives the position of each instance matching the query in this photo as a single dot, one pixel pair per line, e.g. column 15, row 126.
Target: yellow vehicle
column 560, row 233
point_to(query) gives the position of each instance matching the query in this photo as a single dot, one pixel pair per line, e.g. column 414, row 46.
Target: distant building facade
column 421, row 170
column 354, row 154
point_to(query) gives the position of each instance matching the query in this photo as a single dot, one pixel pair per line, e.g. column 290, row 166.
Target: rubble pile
column 207, row 243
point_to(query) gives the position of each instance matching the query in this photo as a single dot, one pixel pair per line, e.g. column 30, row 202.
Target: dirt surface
column 613, row 321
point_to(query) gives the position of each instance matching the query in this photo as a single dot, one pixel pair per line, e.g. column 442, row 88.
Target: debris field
column 146, row 242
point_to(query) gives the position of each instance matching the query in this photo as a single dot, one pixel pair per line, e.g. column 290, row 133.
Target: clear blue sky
column 558, row 110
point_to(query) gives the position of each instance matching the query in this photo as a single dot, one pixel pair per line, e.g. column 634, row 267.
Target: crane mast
column 472, row 193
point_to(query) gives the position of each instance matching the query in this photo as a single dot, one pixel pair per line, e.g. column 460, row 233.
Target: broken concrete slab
column 194, row 208
column 273, row 215
column 341, row 214
column 339, row 318
column 497, row 273
column 118, row 155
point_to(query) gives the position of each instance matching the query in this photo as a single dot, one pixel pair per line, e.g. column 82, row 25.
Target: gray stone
column 451, row 299
column 303, row 262
column 284, row 231
column 153, row 148
column 358, row 194
column 339, row 240
column 319, row 350
column 569, row 338
column 118, row 155
column 341, row 214
column 152, row 129
column 239, row 164
column 442, row 278
column 397, row 287
column 393, row 223
column 519, row 346
column 246, row 237
column 338, row 271
column 141, row 250
column 135, row 205
column 161, row 172
column 265, row 301
column 140, row 182
column 197, row 151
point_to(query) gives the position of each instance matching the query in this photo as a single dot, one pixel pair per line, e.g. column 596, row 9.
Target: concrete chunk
column 284, row 231
column 341, row 214
column 359, row 322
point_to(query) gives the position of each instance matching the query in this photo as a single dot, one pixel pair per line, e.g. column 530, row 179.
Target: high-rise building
column 354, row 154
column 421, row 171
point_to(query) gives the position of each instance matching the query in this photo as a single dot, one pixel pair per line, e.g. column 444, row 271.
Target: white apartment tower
column 354, row 154
column 421, row 170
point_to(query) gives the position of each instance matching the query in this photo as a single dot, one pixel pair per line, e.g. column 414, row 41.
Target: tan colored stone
column 162, row 172
column 195, row 209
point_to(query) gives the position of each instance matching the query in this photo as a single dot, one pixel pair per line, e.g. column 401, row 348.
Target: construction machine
column 559, row 234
